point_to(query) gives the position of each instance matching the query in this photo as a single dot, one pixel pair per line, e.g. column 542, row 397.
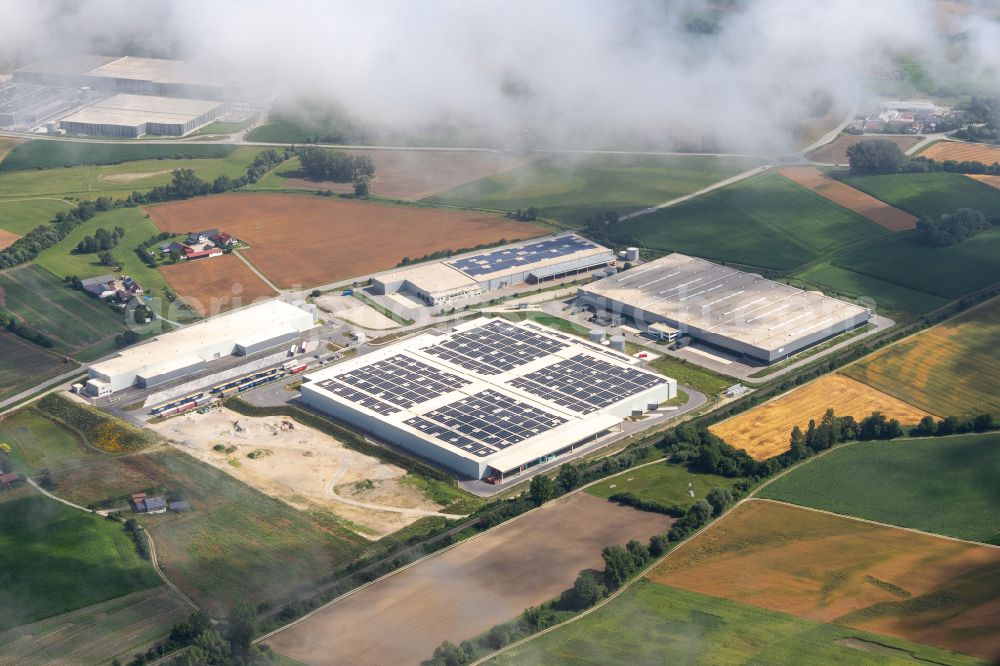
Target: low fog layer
column 572, row 73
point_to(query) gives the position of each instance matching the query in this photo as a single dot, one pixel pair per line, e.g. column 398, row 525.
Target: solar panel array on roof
column 586, row 384
column 396, row 382
column 494, row 348
column 485, row 422
column 524, row 255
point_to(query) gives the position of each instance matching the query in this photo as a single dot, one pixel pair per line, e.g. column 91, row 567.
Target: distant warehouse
column 191, row 349
column 467, row 276
column 133, row 116
column 737, row 311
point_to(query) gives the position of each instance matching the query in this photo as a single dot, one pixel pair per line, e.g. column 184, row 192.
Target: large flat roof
column 721, row 300
column 131, row 110
column 492, row 391
column 432, row 277
column 67, row 65
column 526, row 256
column 182, row 347
column 158, row 70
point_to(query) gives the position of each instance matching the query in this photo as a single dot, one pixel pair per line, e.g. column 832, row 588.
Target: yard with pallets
column 651, row 624
column 302, row 240
column 765, row 430
column 25, row 364
column 462, row 592
column 74, row 321
column 951, row 369
column 828, row 568
column 944, row 485
column 570, row 189
column 766, row 221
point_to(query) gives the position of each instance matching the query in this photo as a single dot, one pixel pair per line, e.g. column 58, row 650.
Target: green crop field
column 74, row 321
column 766, row 221
column 701, row 379
column 21, row 216
column 25, row 364
column 886, row 295
column 41, row 154
column 663, row 482
column 944, row 485
column 118, row 180
column 55, row 559
column 39, row 442
column 235, row 545
column 571, row 190
column 655, row 624
column 930, row 194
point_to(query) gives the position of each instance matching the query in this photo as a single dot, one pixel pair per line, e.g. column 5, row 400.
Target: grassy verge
column 45, row 154
column 703, row 380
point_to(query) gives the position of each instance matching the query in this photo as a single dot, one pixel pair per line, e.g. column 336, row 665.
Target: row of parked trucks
column 229, row 387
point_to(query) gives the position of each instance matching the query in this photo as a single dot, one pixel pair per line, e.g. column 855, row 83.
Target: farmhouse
column 490, row 398
column 740, row 312
column 132, row 116
column 123, row 288
column 201, row 244
column 470, row 275
column 189, row 350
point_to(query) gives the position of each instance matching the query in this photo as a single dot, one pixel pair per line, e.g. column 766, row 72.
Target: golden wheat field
column 765, row 431
column 963, row 152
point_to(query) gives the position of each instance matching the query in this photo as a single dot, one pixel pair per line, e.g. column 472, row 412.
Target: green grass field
column 25, row 364
column 888, row 297
column 118, row 180
column 571, row 190
column 655, row 624
column 944, row 485
column 235, row 545
column 55, row 559
column 20, row 217
column 766, row 221
column 663, row 482
column 43, row 154
column 38, row 442
column 74, row 321
column 930, row 194
column 701, row 379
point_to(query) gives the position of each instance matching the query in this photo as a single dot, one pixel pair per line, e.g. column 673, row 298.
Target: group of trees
column 336, row 165
column 101, row 241
column 880, row 157
column 952, row 228
column 526, row 215
column 954, row 425
column 604, row 228
column 138, row 536
column 31, row 335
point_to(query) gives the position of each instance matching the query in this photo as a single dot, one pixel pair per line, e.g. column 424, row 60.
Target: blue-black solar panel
column 525, row 255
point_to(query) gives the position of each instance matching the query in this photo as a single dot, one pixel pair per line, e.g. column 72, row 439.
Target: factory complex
column 489, row 398
column 467, row 276
column 737, row 311
column 189, row 350
column 132, row 116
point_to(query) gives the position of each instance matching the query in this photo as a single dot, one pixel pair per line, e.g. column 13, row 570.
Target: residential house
column 200, row 237
column 100, row 287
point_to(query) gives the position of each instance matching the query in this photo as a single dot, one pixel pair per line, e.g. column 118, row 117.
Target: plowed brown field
column 466, row 590
column 765, row 431
column 215, row 285
column 877, row 211
column 6, row 238
column 829, row 568
column 306, row 240
column 835, row 152
column 416, row 174
column 963, row 152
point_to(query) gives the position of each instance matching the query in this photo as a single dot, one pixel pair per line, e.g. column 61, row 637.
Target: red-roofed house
column 204, row 254
column 223, row 238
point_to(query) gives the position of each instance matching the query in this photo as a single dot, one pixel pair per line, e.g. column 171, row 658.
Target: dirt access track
column 835, row 152
column 844, row 195
column 464, row 591
column 412, row 175
column 765, row 431
column 216, row 284
column 829, row 568
column 301, row 241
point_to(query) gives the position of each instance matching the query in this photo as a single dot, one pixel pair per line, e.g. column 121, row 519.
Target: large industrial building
column 27, row 104
column 489, row 398
column 467, row 276
column 189, row 350
column 128, row 74
column 737, row 311
column 132, row 116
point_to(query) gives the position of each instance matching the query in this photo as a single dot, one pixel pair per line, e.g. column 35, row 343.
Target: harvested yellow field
column 765, row 431
column 963, row 152
column 992, row 181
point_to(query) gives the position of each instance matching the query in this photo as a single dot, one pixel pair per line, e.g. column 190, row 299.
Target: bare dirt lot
column 835, row 152
column 412, row 175
column 765, row 430
column 466, row 590
column 308, row 240
column 834, row 569
column 216, row 284
column 307, row 469
column 355, row 312
column 963, row 152
column 7, row 238
column 877, row 211
column 130, row 177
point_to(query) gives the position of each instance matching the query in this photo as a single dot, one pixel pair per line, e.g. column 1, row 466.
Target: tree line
column 336, row 165
column 880, row 157
column 952, row 228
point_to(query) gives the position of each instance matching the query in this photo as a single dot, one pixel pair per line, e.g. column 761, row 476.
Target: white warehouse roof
column 132, row 110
